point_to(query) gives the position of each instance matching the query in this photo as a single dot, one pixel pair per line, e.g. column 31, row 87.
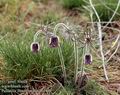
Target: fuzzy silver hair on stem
column 35, row 47
column 73, row 36
column 100, row 39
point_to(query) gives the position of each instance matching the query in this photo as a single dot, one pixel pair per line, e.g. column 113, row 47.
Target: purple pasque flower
column 54, row 41
column 88, row 59
column 35, row 47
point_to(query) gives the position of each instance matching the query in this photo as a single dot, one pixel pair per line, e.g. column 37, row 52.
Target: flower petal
column 35, row 47
column 88, row 59
column 54, row 41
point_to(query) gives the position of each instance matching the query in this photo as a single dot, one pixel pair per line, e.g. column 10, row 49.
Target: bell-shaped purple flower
column 87, row 59
column 54, row 41
column 35, row 47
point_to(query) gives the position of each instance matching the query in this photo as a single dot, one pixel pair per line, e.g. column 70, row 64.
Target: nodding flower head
column 87, row 59
column 54, row 41
column 35, row 47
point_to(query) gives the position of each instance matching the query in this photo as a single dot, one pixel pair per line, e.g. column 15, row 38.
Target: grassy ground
column 19, row 18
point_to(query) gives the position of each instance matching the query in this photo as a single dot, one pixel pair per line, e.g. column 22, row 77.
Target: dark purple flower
column 54, row 41
column 35, row 47
column 88, row 59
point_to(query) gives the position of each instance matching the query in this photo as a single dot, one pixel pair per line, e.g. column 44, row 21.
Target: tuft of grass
column 70, row 4
column 105, row 9
column 93, row 88
column 14, row 14
column 49, row 17
column 21, row 63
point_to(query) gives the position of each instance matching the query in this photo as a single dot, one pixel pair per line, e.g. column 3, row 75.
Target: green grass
column 70, row 4
column 93, row 88
column 49, row 17
column 104, row 12
column 21, row 63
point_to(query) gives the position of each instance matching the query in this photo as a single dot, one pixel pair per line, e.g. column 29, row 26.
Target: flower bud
column 35, row 47
column 54, row 41
column 87, row 59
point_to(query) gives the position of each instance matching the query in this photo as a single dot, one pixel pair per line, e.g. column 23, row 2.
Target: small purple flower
column 35, row 47
column 54, row 41
column 88, row 59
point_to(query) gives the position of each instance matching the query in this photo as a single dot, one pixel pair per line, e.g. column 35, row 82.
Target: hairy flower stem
column 82, row 67
column 60, row 25
column 101, row 51
column 82, row 62
column 100, row 40
column 59, row 49
column 36, row 35
column 75, row 49
column 62, row 62
column 76, row 59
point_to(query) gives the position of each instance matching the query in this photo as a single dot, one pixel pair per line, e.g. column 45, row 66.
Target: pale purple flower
column 87, row 59
column 35, row 47
column 54, row 41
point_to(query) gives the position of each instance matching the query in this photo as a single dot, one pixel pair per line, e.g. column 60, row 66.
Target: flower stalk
column 60, row 50
column 75, row 49
column 100, row 39
column 76, row 59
